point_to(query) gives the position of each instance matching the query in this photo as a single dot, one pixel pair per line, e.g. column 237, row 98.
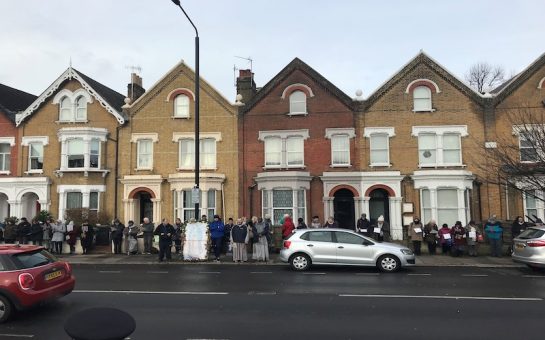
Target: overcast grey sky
column 354, row 44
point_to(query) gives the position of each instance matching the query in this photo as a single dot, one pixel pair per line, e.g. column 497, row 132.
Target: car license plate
column 53, row 275
column 519, row 245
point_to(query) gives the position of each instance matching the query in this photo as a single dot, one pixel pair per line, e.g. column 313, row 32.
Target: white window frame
column 6, row 159
column 439, row 132
column 369, row 132
column 539, row 204
column 27, row 141
column 332, row 133
column 296, row 98
column 98, row 201
column 85, row 191
column 140, row 154
column 181, row 111
column 30, row 157
column 71, row 109
column 272, row 156
column 427, row 99
column 87, row 135
column 522, row 137
column 268, row 208
column 462, row 208
column 178, row 137
column 137, row 138
column 283, row 135
column 11, row 142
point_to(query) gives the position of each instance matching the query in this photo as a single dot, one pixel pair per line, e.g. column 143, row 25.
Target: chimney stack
column 134, row 88
column 246, row 85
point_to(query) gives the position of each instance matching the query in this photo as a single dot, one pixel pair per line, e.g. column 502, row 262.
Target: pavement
column 423, row 260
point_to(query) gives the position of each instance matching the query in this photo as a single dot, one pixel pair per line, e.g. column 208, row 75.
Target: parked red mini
column 30, row 275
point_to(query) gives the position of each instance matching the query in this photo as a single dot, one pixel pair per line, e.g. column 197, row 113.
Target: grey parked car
column 529, row 247
column 306, row 247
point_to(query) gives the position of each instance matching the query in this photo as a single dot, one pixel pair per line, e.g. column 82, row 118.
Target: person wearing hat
column 363, row 226
column 217, row 230
column 416, row 234
column 458, row 233
column 381, row 231
column 494, row 233
column 132, row 233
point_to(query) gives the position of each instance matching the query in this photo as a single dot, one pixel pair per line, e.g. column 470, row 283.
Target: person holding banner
column 416, row 234
column 445, row 238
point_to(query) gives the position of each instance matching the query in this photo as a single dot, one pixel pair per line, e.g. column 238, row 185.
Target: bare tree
column 484, row 77
column 517, row 161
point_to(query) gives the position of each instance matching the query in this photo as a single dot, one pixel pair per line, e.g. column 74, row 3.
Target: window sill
column 35, row 171
column 291, row 114
column 193, row 169
column 284, row 167
column 61, row 172
column 340, row 165
column 71, row 121
column 5, row 172
column 528, row 162
column 441, row 165
column 417, row 111
column 179, row 117
column 373, row 165
column 143, row 169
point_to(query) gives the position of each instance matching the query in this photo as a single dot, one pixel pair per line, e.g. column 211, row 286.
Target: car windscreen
column 531, row 233
column 318, row 236
column 33, row 259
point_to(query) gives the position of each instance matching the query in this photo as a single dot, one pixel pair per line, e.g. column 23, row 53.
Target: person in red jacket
column 287, row 227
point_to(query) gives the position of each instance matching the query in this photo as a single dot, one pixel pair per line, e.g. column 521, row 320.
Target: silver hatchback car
column 529, row 247
column 306, row 247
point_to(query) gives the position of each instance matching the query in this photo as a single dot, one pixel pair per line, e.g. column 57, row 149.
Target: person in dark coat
column 23, row 231
column 458, row 233
column 381, row 231
column 301, row 223
column 10, row 232
column 217, row 232
column 227, row 234
column 117, row 235
column 431, row 235
column 239, row 240
column 363, row 226
column 165, row 231
column 177, row 238
column 36, row 232
column 86, row 237
column 518, row 226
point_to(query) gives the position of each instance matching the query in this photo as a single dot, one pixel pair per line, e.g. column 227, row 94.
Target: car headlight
column 407, row 251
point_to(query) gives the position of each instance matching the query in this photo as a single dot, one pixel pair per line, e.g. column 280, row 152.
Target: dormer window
column 298, row 103
column 81, row 108
column 65, row 109
column 72, row 105
column 422, row 99
column 181, row 106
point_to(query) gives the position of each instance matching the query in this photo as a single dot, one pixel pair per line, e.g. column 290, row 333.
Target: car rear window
column 531, row 233
column 33, row 259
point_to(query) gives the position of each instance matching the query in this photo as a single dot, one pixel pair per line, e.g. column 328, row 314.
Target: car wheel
column 388, row 263
column 300, row 262
column 5, row 308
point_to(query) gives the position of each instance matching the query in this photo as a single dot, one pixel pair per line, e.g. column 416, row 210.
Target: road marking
column 419, row 274
column 157, row 272
column 260, row 272
column 313, row 273
column 534, row 276
column 439, row 297
column 368, row 274
column 474, row 275
column 209, row 272
column 17, row 335
column 261, row 293
column 146, row 292
column 109, row 271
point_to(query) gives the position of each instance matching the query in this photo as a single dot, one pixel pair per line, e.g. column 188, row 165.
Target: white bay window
column 439, row 145
column 284, row 148
column 81, row 149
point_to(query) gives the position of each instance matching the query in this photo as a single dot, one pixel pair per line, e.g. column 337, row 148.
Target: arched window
column 422, row 98
column 181, row 106
column 81, row 108
column 298, row 102
column 65, row 113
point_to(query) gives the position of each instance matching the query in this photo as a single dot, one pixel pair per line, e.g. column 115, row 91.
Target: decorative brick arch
column 179, row 91
column 389, row 190
column 134, row 192
column 422, row 82
column 297, row 87
column 344, row 186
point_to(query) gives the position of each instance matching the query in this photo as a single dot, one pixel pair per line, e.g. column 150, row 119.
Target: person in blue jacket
column 494, row 233
column 216, row 234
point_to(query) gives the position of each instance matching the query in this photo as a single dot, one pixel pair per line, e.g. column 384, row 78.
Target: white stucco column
column 396, row 225
column 366, row 205
column 461, row 207
column 15, row 208
column 328, row 207
column 433, row 203
column 45, row 204
column 128, row 209
column 156, row 210
column 358, row 208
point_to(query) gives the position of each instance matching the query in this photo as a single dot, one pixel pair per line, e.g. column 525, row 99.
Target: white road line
column 440, row 297
column 146, row 292
column 209, row 272
column 419, row 274
column 368, row 274
column 109, row 271
column 260, row 272
column 313, row 273
column 474, row 275
column 16, row 335
column 535, row 276
column 157, row 272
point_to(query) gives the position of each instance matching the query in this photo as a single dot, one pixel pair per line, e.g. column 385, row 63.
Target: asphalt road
column 272, row 302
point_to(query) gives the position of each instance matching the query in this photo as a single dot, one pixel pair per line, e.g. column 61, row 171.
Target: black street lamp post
column 196, row 196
